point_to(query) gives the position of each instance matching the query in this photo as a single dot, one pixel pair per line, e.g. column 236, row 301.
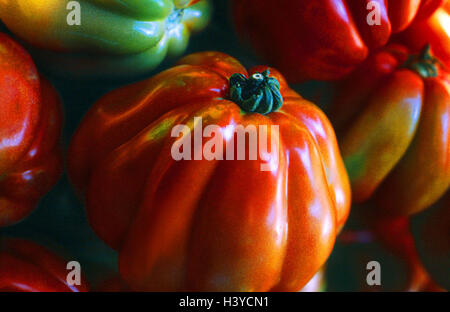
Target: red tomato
column 28, row 267
column 30, row 129
column 393, row 121
column 435, row 31
column 211, row 224
column 322, row 39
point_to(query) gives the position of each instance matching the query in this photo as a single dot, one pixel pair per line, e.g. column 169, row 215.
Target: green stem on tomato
column 425, row 63
column 257, row 94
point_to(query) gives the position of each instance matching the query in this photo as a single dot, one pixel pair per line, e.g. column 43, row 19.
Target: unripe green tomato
column 104, row 38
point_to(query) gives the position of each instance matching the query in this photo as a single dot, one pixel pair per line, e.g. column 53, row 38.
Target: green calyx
column 425, row 63
column 257, row 94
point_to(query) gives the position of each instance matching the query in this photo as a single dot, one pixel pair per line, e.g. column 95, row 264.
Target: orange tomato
column 393, row 116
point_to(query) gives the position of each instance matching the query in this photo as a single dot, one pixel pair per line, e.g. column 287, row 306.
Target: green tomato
column 113, row 38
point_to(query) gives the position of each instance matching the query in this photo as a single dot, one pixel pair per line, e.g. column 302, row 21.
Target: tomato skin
column 115, row 39
column 30, row 129
column 321, row 40
column 180, row 225
column 434, row 31
column 393, row 126
column 28, row 267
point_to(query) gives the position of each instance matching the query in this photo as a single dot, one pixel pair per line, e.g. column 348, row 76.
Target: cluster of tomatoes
column 382, row 146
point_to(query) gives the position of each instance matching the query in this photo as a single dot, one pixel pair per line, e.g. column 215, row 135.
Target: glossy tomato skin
column 115, row 39
column 209, row 225
column 30, row 129
column 435, row 31
column 28, row 267
column 322, row 40
column 394, row 133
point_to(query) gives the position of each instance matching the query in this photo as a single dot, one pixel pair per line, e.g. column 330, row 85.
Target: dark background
column 60, row 222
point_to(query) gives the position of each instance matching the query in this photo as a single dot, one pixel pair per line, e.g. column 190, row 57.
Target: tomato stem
column 259, row 93
column 425, row 63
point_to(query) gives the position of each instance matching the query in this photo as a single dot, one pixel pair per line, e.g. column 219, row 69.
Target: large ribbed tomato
column 30, row 129
column 322, row 39
column 211, row 224
column 29, row 267
column 392, row 116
